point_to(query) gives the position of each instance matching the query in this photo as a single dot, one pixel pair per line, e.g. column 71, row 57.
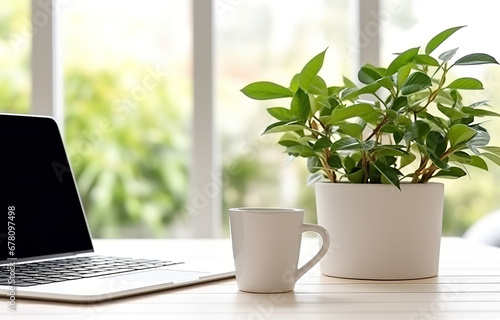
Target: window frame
column 205, row 199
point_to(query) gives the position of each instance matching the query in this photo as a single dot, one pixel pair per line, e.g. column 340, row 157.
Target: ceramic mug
column 266, row 246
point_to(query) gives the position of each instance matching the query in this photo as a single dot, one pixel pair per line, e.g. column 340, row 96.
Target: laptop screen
column 40, row 210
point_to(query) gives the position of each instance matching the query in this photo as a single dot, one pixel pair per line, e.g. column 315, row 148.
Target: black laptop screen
column 40, row 210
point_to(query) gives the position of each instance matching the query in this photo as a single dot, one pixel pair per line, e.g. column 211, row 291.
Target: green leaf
column 439, row 122
column 348, row 83
column 403, row 74
column 318, row 86
column 407, row 160
column 492, row 149
column 301, row 105
column 387, row 83
column 402, row 59
column 442, row 164
column 451, row 113
column 280, row 113
column 314, row 178
column 492, row 157
column 478, row 162
column 391, row 114
column 317, row 103
column 349, row 163
column 424, row 150
column 289, row 139
column 451, row 173
column 334, row 161
column 436, row 142
column 374, row 175
column 399, row 103
column 333, row 102
column 398, row 135
column 389, row 128
column 416, row 130
column 387, row 172
column 264, row 90
column 368, row 145
column 479, row 112
column 351, row 129
column 322, row 143
column 355, row 110
column 417, row 81
column 356, row 176
column 347, row 143
column 478, row 104
column 444, row 97
column 347, row 92
column 426, row 60
column 310, row 70
column 368, row 89
column 481, row 139
column 313, row 164
column 294, row 84
column 461, row 157
column 475, row 58
column 447, row 55
column 440, row 38
column 466, row 83
column 389, row 151
column 368, row 75
column 288, row 143
column 373, row 117
column 321, row 103
column 300, row 150
column 283, row 128
column 460, row 134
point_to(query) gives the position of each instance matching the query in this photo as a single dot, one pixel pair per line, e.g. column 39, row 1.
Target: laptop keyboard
column 43, row 272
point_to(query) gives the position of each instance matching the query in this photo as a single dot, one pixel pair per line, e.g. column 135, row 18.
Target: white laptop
column 46, row 249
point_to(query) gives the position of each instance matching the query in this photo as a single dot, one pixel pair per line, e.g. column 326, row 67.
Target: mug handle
column 325, row 236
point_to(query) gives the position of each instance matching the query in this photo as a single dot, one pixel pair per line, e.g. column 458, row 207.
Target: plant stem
column 326, row 167
column 385, row 105
column 364, row 164
column 378, row 128
column 428, row 173
column 435, row 93
column 420, row 170
column 321, row 123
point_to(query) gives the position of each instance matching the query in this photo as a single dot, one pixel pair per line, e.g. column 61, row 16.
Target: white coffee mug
column 266, row 246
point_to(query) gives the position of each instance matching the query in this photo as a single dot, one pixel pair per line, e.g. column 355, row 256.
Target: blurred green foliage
column 15, row 86
column 128, row 147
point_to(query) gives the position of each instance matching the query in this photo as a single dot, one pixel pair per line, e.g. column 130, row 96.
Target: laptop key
column 70, row 277
column 105, row 273
column 56, row 279
column 41, row 281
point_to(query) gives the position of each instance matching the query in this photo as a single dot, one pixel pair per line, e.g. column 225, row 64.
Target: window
column 140, row 127
column 269, row 40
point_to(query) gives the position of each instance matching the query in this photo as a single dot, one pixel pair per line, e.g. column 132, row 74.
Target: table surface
column 468, row 287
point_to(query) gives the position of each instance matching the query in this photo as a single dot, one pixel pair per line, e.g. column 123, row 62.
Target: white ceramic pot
column 379, row 232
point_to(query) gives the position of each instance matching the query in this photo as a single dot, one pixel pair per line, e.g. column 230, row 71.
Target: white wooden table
column 468, row 287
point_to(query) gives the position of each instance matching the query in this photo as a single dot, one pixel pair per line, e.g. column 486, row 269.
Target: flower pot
column 380, row 232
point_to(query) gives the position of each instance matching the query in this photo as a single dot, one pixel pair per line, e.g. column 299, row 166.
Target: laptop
column 46, row 249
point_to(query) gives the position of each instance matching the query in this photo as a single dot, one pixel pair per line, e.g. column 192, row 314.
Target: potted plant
column 387, row 138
